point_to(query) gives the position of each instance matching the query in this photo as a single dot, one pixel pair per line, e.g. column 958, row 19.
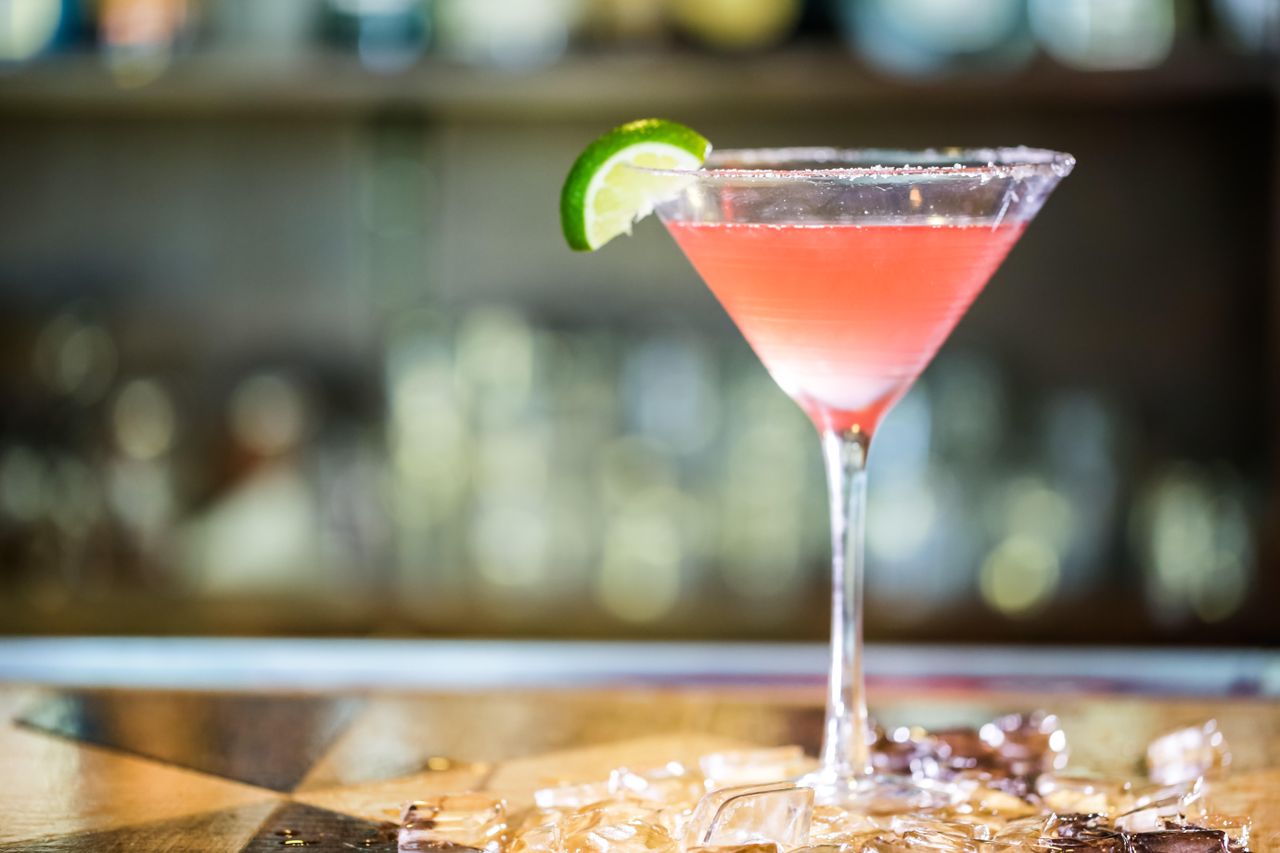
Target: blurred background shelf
column 290, row 342
column 602, row 86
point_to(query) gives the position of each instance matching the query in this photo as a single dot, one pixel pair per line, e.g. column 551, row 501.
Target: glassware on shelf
column 735, row 24
column 387, row 35
column 29, row 28
column 140, row 37
column 1105, row 35
column 930, row 37
column 277, row 31
column 1251, row 25
column 527, row 34
column 625, row 22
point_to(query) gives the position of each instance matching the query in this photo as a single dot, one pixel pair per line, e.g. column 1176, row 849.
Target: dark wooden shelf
column 589, row 86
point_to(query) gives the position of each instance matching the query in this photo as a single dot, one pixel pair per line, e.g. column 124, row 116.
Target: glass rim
column 855, row 163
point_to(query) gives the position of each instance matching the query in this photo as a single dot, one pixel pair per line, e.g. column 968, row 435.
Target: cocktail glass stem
column 846, row 753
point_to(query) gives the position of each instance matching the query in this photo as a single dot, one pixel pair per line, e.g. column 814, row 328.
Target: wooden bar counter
column 120, row 769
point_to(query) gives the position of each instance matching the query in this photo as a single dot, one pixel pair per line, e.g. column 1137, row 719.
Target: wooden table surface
column 129, row 770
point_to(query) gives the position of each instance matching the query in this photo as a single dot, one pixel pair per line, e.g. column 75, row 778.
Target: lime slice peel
column 604, row 196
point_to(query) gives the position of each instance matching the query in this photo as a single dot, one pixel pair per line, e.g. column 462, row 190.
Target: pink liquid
column 845, row 316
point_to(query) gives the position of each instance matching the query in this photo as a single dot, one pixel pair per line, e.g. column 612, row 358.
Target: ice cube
column 924, row 825
column 984, row 825
column 1183, row 792
column 1027, row 744
column 1075, row 825
column 833, row 825
column 1022, row 831
column 669, row 784
column 1154, row 807
column 995, row 801
column 735, row 768
column 605, row 813
column 963, row 749
column 633, row 836
column 780, row 813
column 1068, row 832
column 537, row 839
column 737, row 848
column 535, row 817
column 572, row 796
column 907, row 751
column 673, row 818
column 920, row 842
column 1113, row 843
column 1084, row 794
column 1235, row 828
column 1187, row 754
column 1179, row 841
column 476, row 821
column 1018, row 786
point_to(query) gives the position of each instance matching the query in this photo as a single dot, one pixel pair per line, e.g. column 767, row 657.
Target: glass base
column 880, row 794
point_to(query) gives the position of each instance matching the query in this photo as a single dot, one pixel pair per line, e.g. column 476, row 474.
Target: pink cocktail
column 845, row 316
column 845, row 271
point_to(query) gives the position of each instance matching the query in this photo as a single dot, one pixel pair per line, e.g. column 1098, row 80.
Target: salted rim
column 880, row 162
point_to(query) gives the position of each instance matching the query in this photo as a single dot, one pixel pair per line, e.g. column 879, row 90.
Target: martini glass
column 845, row 271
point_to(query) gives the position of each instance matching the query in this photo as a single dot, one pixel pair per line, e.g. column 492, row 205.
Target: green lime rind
column 573, row 196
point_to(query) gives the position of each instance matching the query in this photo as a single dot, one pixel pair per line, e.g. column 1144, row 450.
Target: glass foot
column 880, row 794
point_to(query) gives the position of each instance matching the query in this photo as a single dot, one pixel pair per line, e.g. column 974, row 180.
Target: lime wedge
column 602, row 197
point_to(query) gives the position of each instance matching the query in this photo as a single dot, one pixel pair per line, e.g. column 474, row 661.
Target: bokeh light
column 269, row 413
column 76, row 357
column 1108, row 35
column 144, row 420
column 1019, row 576
column 27, row 27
